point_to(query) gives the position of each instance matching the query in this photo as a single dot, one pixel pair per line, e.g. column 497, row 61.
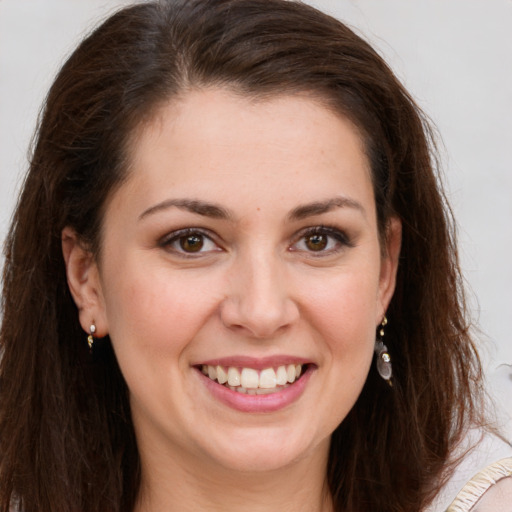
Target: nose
column 259, row 302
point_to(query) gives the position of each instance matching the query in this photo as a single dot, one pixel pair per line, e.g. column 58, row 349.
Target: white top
column 482, row 482
column 488, row 491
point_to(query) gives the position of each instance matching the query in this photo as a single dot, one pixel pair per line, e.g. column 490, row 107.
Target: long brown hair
column 66, row 437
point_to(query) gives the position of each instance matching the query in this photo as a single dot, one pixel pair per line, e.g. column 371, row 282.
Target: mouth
column 256, row 385
column 252, row 381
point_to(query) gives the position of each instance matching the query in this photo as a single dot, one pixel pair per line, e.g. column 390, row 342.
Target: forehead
column 214, row 141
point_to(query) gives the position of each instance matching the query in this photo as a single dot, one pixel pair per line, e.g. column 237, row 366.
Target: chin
column 265, row 449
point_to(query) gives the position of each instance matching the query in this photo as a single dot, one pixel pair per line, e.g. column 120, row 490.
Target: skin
column 497, row 498
column 258, row 287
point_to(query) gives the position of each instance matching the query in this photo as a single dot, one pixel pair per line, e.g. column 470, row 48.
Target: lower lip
column 258, row 403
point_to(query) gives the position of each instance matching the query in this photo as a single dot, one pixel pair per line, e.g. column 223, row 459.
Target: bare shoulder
column 498, row 498
column 488, row 491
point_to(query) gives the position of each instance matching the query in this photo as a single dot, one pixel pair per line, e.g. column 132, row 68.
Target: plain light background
column 454, row 56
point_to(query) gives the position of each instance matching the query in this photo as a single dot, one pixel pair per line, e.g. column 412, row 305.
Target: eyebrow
column 319, row 207
column 215, row 211
column 192, row 205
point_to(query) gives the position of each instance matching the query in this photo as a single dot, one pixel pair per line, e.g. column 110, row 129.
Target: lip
column 256, row 403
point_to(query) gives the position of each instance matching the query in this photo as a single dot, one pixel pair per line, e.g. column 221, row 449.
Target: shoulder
column 481, row 452
column 488, row 491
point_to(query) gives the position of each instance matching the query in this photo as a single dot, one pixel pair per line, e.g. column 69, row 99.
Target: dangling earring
column 383, row 359
column 90, row 338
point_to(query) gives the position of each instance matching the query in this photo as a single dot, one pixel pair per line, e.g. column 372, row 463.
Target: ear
column 84, row 283
column 389, row 265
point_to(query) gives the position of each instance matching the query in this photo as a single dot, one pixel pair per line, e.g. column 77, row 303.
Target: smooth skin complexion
column 245, row 237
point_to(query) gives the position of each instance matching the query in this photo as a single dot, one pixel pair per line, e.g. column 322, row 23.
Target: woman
column 231, row 207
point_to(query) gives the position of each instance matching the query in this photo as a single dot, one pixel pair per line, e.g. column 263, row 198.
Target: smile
column 254, row 382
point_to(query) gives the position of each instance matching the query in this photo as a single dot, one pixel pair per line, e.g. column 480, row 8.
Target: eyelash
column 340, row 237
column 176, row 236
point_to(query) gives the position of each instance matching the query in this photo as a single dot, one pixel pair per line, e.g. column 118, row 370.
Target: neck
column 181, row 485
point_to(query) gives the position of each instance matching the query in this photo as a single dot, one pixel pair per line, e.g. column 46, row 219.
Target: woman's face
column 243, row 245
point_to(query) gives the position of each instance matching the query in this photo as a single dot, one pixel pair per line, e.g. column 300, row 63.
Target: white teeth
column 212, row 372
column 249, row 378
column 222, row 376
column 266, row 391
column 268, row 379
column 233, row 376
column 282, row 376
column 290, row 370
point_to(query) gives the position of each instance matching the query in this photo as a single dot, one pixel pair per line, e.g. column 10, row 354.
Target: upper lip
column 258, row 363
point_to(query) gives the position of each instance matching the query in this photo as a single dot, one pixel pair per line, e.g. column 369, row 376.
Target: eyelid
column 338, row 234
column 166, row 241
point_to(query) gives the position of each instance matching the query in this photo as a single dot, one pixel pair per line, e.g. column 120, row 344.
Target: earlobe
column 389, row 264
column 84, row 282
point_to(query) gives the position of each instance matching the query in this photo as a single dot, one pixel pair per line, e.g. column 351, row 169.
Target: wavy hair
column 67, row 442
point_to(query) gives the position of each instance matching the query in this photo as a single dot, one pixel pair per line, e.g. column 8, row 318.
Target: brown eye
column 321, row 241
column 316, row 242
column 191, row 243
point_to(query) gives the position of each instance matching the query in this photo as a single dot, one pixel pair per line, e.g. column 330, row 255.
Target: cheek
column 155, row 309
column 349, row 302
column 342, row 315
